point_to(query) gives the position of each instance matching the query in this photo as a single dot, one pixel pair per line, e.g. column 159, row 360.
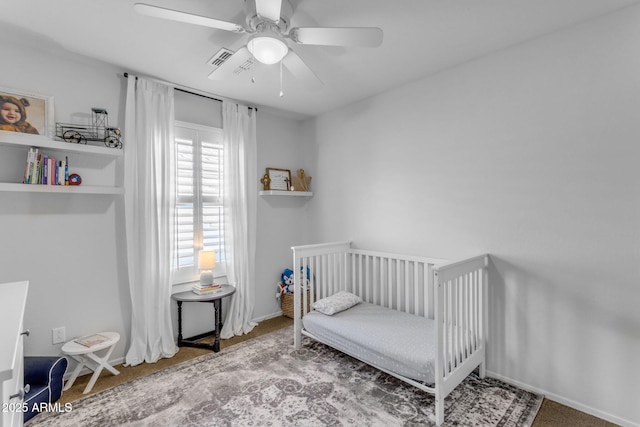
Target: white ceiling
column 421, row 37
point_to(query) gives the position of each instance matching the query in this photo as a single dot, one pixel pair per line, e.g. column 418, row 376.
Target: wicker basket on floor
column 286, row 301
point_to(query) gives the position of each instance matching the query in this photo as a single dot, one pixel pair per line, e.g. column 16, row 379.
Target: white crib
column 453, row 294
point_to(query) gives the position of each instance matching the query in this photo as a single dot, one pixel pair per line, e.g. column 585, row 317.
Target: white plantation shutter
column 199, row 213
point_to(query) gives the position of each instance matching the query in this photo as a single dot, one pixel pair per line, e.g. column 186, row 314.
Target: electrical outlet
column 59, row 335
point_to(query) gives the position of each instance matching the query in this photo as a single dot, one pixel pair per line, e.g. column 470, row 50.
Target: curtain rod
column 194, row 93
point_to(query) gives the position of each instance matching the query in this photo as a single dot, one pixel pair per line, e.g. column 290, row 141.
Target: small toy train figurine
column 98, row 131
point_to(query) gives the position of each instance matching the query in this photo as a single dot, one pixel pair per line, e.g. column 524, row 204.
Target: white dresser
column 13, row 298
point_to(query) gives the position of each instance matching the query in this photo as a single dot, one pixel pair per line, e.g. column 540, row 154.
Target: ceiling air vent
column 219, row 58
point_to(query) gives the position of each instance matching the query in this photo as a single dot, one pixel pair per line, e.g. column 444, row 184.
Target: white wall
column 69, row 246
column 529, row 154
column 281, row 220
column 72, row 248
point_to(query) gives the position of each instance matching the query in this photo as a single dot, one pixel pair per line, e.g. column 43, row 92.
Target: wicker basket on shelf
column 286, row 301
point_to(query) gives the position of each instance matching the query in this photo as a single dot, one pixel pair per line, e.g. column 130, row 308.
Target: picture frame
column 39, row 112
column 279, row 179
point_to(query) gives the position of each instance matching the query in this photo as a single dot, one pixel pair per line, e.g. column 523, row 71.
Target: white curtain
column 240, row 193
column 149, row 209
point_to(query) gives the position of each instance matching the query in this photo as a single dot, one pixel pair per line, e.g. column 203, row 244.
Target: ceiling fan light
column 266, row 48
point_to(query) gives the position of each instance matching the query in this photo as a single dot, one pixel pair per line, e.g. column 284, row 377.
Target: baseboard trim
column 268, row 316
column 565, row 401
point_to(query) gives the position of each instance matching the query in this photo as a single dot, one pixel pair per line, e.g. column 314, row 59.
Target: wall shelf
column 16, row 139
column 23, row 142
column 286, row 193
column 70, row 189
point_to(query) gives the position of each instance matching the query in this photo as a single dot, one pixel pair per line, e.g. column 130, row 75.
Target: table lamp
column 206, row 262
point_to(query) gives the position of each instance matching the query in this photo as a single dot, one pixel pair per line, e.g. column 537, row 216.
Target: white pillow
column 336, row 303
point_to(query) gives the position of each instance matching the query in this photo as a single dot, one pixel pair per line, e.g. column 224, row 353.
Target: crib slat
column 476, row 308
column 447, row 327
column 399, row 286
column 370, row 279
column 390, row 282
column 407, row 288
column 384, row 272
column 325, row 276
column 381, row 282
column 430, row 293
column 360, row 288
column 465, row 318
column 342, row 285
column 376, row 280
column 454, row 326
column 465, row 311
column 460, row 327
column 472, row 304
column 449, row 323
column 416, row 290
column 472, row 345
column 454, row 336
column 304, row 265
column 424, row 285
column 312, row 281
column 360, row 275
column 352, row 270
column 332, row 274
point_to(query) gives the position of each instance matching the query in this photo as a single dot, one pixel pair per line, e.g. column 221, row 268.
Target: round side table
column 216, row 300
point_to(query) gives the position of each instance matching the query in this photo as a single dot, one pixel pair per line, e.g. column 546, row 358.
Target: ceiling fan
column 268, row 25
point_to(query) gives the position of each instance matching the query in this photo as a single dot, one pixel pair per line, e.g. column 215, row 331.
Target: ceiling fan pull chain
column 281, row 91
column 253, row 77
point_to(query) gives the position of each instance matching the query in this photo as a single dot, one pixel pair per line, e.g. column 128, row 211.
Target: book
column 41, row 168
column 213, row 292
column 91, row 340
column 206, row 290
column 29, row 165
column 61, row 168
column 45, row 170
column 212, row 286
column 66, row 170
column 33, row 167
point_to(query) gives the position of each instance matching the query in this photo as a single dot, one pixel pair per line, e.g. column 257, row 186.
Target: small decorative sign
column 279, row 179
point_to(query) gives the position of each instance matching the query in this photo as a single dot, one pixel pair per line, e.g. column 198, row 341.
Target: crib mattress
column 398, row 342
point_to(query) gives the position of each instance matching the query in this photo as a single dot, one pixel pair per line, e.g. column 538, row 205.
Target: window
column 199, row 202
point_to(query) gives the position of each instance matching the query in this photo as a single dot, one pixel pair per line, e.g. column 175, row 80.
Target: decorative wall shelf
column 286, row 193
column 70, row 189
column 16, row 139
column 25, row 141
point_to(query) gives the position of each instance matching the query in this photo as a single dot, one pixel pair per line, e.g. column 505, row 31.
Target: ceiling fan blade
column 229, row 68
column 301, row 71
column 269, row 9
column 189, row 18
column 326, row 36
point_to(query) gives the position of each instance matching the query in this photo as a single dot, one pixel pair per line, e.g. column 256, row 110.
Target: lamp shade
column 267, row 47
column 207, row 260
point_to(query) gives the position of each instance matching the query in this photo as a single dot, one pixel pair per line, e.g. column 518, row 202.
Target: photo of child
column 13, row 115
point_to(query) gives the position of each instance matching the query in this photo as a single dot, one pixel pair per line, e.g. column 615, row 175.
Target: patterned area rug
column 265, row 382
